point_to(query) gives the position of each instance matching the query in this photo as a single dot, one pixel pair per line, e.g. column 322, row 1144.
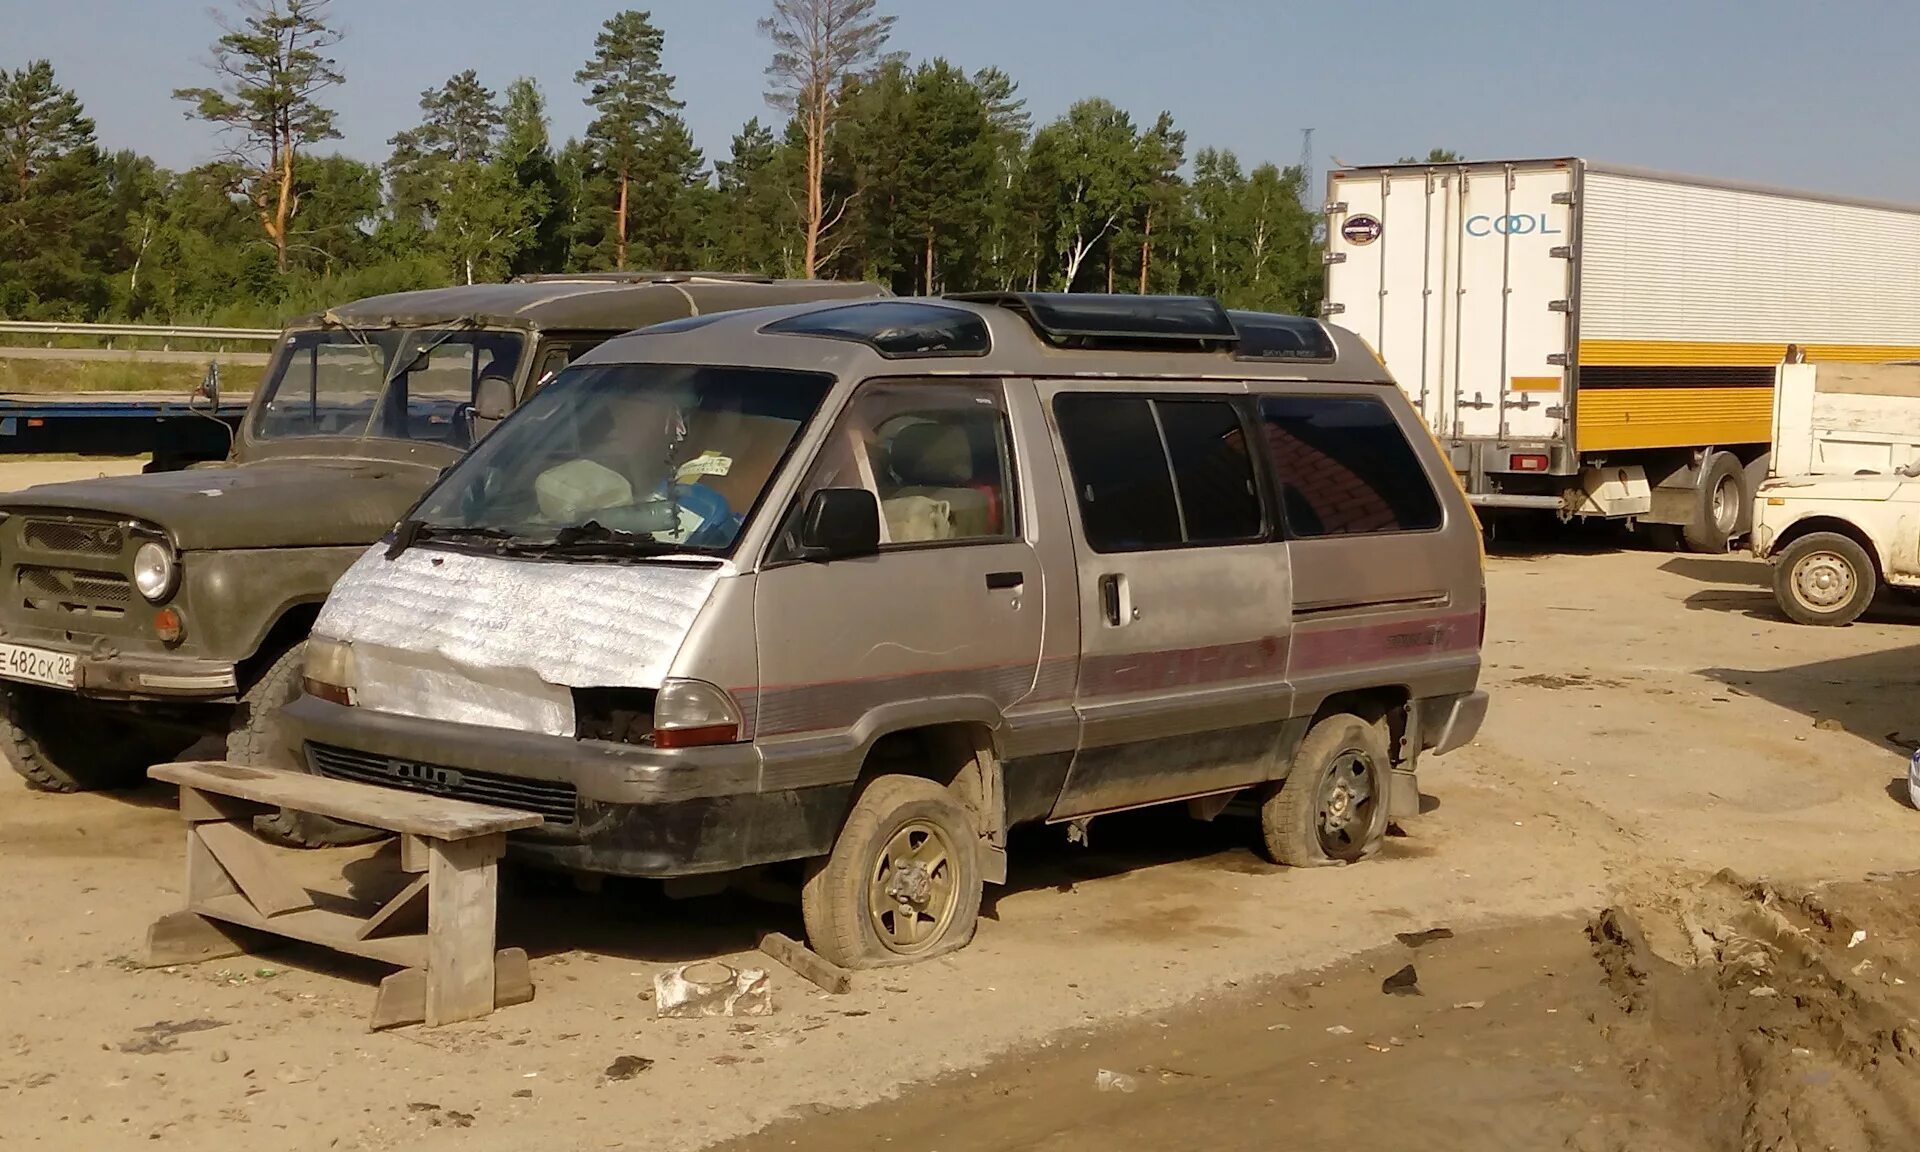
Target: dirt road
column 1653, row 722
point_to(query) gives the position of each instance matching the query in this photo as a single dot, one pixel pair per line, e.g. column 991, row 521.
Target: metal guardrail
column 161, row 332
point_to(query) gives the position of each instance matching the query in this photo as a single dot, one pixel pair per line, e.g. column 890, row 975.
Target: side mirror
column 840, row 524
column 493, row 399
column 209, row 387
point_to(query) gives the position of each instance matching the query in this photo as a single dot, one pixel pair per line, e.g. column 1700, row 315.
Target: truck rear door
column 1461, row 277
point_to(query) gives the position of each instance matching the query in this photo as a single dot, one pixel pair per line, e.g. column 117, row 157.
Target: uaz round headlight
column 153, row 570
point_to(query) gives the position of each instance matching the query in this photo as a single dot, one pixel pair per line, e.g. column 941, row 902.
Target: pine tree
column 273, row 66
column 57, row 231
column 526, row 149
column 460, row 122
column 753, row 218
column 948, row 162
column 631, row 94
column 817, row 46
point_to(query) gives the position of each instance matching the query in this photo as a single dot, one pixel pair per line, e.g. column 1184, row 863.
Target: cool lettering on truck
column 1529, row 224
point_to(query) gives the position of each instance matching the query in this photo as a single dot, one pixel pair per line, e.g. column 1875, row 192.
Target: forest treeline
column 869, row 165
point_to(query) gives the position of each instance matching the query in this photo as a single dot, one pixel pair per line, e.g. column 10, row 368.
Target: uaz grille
column 79, row 538
column 68, row 590
column 546, row 798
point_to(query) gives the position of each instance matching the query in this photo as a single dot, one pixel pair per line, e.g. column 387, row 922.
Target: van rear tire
column 1824, row 578
column 1333, row 806
column 903, row 881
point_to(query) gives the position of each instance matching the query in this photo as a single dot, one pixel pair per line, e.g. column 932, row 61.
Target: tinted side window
column 1345, row 468
column 1218, row 498
column 1120, row 472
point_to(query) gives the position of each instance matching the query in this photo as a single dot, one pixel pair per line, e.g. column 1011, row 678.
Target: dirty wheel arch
column 257, row 737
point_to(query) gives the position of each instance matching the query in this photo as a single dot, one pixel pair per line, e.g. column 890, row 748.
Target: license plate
column 37, row 665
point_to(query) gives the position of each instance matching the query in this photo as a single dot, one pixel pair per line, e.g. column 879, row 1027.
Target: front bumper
column 620, row 809
column 124, row 676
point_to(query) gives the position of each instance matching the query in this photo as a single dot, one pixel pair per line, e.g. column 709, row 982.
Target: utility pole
column 1307, row 194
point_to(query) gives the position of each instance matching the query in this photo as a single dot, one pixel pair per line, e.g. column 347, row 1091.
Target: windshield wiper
column 412, row 531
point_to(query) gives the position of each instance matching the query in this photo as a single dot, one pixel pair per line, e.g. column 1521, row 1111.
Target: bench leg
column 186, row 938
column 462, row 892
column 402, row 998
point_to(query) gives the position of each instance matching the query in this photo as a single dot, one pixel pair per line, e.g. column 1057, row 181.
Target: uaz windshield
column 403, row 384
column 610, row 457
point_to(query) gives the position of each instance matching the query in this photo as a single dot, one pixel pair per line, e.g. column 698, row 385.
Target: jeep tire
column 63, row 743
column 258, row 737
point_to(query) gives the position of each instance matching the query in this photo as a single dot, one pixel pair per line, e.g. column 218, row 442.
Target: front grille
column 79, row 538
column 69, row 590
column 552, row 800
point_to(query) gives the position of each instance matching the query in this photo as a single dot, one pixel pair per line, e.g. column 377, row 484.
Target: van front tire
column 257, row 739
column 1332, row 808
column 1824, row 578
column 903, row 881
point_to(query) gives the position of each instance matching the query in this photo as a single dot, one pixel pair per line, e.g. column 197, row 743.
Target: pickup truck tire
column 257, row 738
column 1824, row 578
column 903, row 881
column 1718, row 501
column 61, row 744
column 1333, row 806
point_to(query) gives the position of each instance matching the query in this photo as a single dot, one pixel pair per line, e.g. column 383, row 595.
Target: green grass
column 118, row 376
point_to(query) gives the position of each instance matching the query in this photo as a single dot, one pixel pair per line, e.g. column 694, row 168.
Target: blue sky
column 1784, row 91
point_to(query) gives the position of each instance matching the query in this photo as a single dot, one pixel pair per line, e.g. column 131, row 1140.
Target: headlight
column 154, row 571
column 329, row 672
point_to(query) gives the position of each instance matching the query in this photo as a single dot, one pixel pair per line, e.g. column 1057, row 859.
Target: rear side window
column 1344, row 467
column 1158, row 473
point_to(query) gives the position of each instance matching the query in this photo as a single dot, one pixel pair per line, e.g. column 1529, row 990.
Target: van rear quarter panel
column 1389, row 610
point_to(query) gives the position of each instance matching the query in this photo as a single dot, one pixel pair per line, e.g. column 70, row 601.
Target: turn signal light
column 1528, row 462
column 169, row 625
column 331, row 693
column 693, row 714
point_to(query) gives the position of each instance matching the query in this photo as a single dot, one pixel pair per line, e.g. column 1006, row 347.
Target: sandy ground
column 1654, row 721
column 18, row 474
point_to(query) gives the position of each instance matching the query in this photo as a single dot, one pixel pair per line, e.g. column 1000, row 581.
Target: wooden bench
column 439, row 929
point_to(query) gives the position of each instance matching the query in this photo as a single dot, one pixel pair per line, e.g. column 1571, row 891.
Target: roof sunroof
column 1271, row 336
column 896, row 329
column 1073, row 319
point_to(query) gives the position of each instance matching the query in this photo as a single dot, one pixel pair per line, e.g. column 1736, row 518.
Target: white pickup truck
column 1839, row 513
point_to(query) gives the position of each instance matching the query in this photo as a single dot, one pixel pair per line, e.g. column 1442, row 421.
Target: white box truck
column 1601, row 341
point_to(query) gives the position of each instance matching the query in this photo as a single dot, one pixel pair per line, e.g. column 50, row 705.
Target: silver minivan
column 864, row 586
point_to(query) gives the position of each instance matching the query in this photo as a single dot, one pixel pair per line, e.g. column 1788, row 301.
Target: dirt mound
column 1787, row 1024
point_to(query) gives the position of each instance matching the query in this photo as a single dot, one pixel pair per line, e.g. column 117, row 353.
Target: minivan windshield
column 335, row 382
column 626, row 459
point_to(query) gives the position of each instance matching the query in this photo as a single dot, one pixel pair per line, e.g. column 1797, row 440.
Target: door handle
column 1115, row 601
column 998, row 581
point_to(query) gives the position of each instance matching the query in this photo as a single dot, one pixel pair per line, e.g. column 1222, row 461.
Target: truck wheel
column 257, row 738
column 1717, row 503
column 1332, row 807
column 61, row 743
column 903, row 880
column 1824, row 578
